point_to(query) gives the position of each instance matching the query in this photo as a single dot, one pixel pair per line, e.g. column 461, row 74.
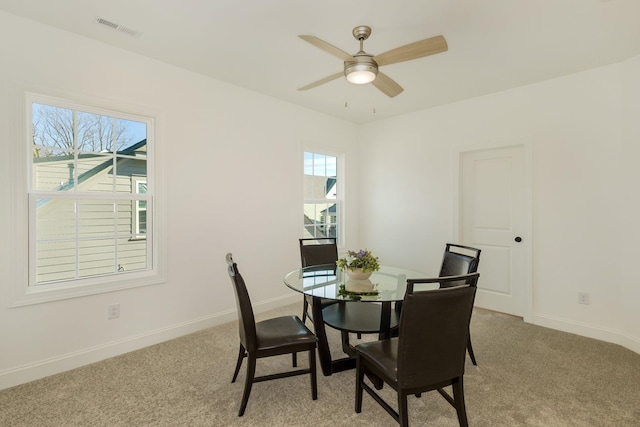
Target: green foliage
column 362, row 259
column 357, row 296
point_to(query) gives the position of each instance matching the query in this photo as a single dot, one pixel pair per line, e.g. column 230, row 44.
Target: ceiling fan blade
column 323, row 81
column 413, row 50
column 327, row 47
column 387, row 85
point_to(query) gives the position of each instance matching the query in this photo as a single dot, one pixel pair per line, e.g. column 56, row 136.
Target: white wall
column 233, row 174
column 227, row 149
column 629, row 308
column 584, row 133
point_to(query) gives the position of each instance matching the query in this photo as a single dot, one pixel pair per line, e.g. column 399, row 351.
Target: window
column 321, row 196
column 91, row 197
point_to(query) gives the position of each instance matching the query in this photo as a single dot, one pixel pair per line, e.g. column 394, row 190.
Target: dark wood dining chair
column 271, row 337
column 313, row 252
column 429, row 353
column 456, row 260
column 459, row 259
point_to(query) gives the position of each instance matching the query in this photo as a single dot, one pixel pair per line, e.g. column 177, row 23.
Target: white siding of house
column 108, row 249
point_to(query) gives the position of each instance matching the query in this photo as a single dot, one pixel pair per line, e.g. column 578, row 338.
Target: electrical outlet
column 584, row 298
column 113, row 311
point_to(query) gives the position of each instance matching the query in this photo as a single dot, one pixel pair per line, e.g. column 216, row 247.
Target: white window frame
column 340, row 185
column 136, row 208
column 24, row 291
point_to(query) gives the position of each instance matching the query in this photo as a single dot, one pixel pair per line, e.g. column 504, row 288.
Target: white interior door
column 493, row 218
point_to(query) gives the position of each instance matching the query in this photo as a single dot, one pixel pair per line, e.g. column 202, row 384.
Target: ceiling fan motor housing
column 363, row 69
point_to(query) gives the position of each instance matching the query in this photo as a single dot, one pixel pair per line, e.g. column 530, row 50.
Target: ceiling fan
column 362, row 67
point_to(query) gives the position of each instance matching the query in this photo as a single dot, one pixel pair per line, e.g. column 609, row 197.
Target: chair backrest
column 318, row 251
column 246, row 319
column 434, row 331
column 457, row 260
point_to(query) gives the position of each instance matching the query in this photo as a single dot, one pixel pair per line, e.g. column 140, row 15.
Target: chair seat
column 285, row 331
column 382, row 356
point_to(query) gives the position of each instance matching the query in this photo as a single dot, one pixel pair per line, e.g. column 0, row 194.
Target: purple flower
column 363, row 258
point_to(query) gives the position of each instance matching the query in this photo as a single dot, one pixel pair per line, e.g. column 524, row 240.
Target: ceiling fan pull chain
column 346, row 94
column 373, row 102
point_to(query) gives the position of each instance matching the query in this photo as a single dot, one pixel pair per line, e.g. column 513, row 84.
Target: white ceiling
column 493, row 44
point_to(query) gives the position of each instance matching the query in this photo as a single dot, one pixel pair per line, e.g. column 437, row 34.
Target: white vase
column 358, row 286
column 358, row 274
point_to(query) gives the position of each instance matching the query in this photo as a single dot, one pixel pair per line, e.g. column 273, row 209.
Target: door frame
column 527, row 233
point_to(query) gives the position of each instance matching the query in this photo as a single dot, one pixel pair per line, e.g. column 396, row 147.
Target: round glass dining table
column 351, row 306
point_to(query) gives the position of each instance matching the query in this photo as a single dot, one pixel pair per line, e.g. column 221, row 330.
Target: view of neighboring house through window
column 90, row 198
column 321, row 196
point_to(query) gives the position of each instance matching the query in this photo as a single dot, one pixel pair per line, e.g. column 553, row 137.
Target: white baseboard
column 630, row 342
column 587, row 330
column 65, row 362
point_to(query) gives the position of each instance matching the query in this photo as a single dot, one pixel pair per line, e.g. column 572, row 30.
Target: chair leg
column 314, row 378
column 251, row 371
column 241, row 355
column 470, row 349
column 403, row 411
column 359, row 380
column 458, row 397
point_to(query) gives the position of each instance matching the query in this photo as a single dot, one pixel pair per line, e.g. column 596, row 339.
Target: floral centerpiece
column 359, row 264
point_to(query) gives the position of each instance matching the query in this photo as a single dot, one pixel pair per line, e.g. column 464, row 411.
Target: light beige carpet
column 527, row 376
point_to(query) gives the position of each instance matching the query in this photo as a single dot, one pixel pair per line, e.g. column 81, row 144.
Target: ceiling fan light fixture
column 361, row 77
column 361, row 71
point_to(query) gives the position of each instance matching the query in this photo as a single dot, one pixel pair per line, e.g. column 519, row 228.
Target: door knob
column 518, row 239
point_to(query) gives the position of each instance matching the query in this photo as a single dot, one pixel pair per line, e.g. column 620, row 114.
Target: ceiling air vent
column 129, row 31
